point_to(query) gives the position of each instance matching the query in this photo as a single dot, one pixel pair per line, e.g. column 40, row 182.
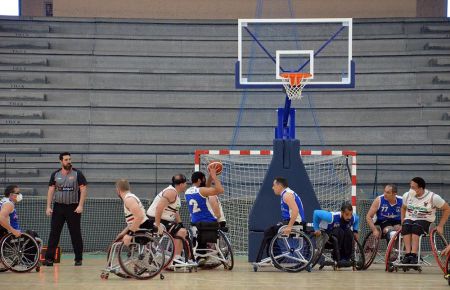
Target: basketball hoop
column 294, row 82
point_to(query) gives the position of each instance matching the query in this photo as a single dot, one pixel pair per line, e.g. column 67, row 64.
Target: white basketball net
column 294, row 86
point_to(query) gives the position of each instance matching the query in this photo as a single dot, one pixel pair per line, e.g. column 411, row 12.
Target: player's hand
column 317, row 233
column 160, row 229
column 16, row 233
column 212, row 172
column 376, row 233
column 49, row 211
column 440, row 229
column 287, row 231
column 79, row 209
column 126, row 240
column 356, row 235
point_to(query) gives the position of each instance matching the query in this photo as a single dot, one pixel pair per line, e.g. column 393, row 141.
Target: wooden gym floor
column 66, row 276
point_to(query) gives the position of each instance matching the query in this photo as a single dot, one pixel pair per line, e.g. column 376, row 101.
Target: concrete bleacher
column 145, row 94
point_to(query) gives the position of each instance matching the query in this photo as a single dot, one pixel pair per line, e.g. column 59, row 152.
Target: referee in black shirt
column 67, row 189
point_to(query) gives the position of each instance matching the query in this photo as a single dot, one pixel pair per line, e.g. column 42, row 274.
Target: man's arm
column 6, row 210
column 133, row 206
column 403, row 212
column 445, row 214
column 216, row 189
column 369, row 217
column 83, row 194
column 321, row 215
column 356, row 226
column 50, row 194
column 214, row 203
column 168, row 197
column 290, row 201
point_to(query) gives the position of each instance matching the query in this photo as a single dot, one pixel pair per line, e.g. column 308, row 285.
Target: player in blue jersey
column 343, row 225
column 292, row 213
column 386, row 213
column 9, row 221
column 197, row 196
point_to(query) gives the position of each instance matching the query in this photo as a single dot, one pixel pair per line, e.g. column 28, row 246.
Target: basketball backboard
column 269, row 47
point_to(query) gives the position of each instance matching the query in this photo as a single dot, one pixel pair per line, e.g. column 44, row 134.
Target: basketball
column 216, row 164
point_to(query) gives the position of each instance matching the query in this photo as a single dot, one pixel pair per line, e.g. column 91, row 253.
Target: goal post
column 332, row 175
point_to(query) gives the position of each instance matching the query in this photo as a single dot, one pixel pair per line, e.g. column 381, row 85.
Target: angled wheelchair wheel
column 19, row 254
column 167, row 245
column 319, row 244
column 370, row 249
column 438, row 244
column 358, row 255
column 392, row 252
column 291, row 253
column 225, row 251
column 143, row 258
column 112, row 261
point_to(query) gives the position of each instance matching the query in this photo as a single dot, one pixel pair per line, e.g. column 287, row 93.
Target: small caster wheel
column 308, row 269
column 38, row 269
column 190, row 270
column 405, row 269
column 161, row 276
column 255, row 269
column 420, row 269
column 104, row 276
column 196, row 269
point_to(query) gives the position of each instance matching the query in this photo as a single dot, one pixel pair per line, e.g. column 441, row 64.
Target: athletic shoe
column 78, row 263
column 47, row 263
column 406, row 259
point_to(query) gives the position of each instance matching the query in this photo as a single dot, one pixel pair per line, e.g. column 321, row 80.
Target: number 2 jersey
column 198, row 205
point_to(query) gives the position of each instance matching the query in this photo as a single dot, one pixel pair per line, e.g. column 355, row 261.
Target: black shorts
column 417, row 227
column 171, row 227
column 3, row 232
column 387, row 223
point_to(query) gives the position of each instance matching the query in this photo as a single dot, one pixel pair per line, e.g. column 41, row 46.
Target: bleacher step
column 436, row 29
column 437, row 46
column 21, row 96
column 439, row 62
column 25, row 79
column 20, row 133
column 21, row 114
column 24, row 62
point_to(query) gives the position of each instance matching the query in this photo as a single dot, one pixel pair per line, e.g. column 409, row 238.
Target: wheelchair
column 293, row 253
column 211, row 247
column 327, row 244
column 143, row 259
column 396, row 247
column 20, row 254
column 371, row 245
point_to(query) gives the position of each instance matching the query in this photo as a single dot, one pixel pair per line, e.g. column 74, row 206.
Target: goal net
column 332, row 175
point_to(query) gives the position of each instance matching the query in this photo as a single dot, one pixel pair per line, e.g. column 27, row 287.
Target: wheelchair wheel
column 392, row 252
column 166, row 243
column 370, row 248
column 291, row 253
column 143, row 258
column 226, row 251
column 438, row 244
column 119, row 273
column 319, row 244
column 19, row 254
column 358, row 255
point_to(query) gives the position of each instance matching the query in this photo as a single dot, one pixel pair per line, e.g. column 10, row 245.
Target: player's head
column 198, row 178
column 418, row 185
column 279, row 184
column 390, row 191
column 346, row 211
column 66, row 160
column 13, row 192
column 122, row 187
column 179, row 182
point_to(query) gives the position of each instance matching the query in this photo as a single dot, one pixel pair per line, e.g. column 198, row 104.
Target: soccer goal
column 332, row 174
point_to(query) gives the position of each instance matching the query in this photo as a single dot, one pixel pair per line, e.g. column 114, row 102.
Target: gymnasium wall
column 233, row 9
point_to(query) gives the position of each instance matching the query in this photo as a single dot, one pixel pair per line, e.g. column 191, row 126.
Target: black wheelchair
column 292, row 253
column 211, row 247
column 327, row 253
column 20, row 254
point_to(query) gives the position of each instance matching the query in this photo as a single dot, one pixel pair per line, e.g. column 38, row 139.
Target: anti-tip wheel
column 255, row 269
column 38, row 269
column 104, row 276
column 161, row 276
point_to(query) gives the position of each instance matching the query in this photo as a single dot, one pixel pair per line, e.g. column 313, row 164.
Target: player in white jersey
column 134, row 212
column 164, row 210
column 418, row 212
